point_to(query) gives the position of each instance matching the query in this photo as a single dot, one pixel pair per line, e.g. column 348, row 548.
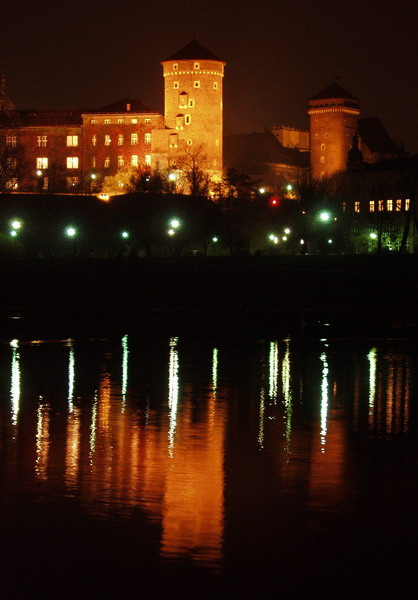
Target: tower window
column 176, row 85
column 189, row 142
column 196, row 84
column 322, row 159
column 187, row 119
column 215, row 85
column 175, row 66
column 196, row 65
column 191, row 103
column 322, row 146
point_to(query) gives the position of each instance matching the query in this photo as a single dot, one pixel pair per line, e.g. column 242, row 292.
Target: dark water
column 175, row 467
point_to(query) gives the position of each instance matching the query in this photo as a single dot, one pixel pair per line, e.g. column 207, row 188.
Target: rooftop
column 193, row 50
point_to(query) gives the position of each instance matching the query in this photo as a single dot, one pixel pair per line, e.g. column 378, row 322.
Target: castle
column 76, row 150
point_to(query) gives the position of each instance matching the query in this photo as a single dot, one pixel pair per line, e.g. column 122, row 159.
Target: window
column 11, row 184
column 106, row 121
column 41, row 141
column 173, row 140
column 147, row 120
column 322, row 146
column 134, row 160
column 398, row 205
column 93, row 121
column 107, row 140
column 42, row 162
column 148, row 160
column 407, row 203
column 381, row 205
column 176, row 85
column 134, row 121
column 196, row 84
column 134, row 139
column 120, row 140
column 72, row 182
column 147, row 138
column 322, row 159
column 316, row 135
column 11, row 140
column 357, row 206
column 196, row 65
column 187, row 119
column 179, row 122
column 183, row 100
column 121, row 162
column 191, row 103
column 11, row 162
column 371, row 206
column 72, row 141
column 94, row 140
column 215, row 85
column 189, row 142
column 175, row 66
column 106, row 163
column 120, row 121
column 389, row 205
column 72, row 162
column 93, row 162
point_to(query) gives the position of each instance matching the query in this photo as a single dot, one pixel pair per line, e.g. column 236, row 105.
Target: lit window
column 215, row 85
column 357, row 206
column 147, row 138
column 93, row 121
column 189, row 142
column 107, row 140
column 11, row 184
column 72, row 141
column 93, row 162
column 42, row 162
column 183, row 99
column 316, row 135
column 11, row 162
column 322, row 159
column 196, row 84
column 147, row 120
column 196, row 65
column 179, row 122
column 389, row 205
column 173, row 140
column 94, row 140
column 134, row 139
column 371, row 206
column 191, row 103
column 41, row 141
column 407, row 203
column 175, row 66
column 381, row 205
column 72, row 182
column 72, row 162
column 45, row 183
column 11, row 140
column 106, row 163
column 176, row 85
column 134, row 160
column 134, row 121
column 120, row 140
column 121, row 162
column 187, row 119
column 106, row 122
column 322, row 146
column 120, row 121
column 148, row 160
column 398, row 205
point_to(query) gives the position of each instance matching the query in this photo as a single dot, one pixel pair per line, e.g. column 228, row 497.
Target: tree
column 192, row 167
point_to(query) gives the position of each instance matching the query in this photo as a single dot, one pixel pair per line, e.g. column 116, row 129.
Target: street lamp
column 324, row 216
column 70, row 231
column 15, row 224
column 125, row 235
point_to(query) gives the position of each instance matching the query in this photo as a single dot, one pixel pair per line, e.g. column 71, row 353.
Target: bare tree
column 193, row 167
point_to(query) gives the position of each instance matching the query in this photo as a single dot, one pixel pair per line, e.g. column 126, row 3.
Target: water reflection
column 167, row 439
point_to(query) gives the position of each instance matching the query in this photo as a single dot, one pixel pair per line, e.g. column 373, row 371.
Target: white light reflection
column 71, row 378
column 125, row 354
column 42, row 440
column 261, row 420
column 273, row 370
column 93, row 429
column 173, row 393
column 15, row 380
column 324, row 399
column 287, row 395
column 214, row 371
column 372, row 358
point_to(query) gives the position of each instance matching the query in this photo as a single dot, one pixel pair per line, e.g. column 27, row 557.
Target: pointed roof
column 334, row 90
column 192, row 51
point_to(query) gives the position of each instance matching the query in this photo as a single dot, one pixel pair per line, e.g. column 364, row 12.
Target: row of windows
column 121, row 161
column 42, row 162
column 119, row 121
column 196, row 65
column 196, row 84
column 120, row 139
column 385, row 205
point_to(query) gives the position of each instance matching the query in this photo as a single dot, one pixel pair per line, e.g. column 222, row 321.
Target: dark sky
column 74, row 53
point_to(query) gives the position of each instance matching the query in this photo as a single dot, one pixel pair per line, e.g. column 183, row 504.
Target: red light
column 274, row 201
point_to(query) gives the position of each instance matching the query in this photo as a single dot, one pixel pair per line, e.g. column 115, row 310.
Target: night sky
column 278, row 54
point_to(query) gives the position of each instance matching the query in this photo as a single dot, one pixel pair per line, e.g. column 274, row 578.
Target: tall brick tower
column 193, row 91
column 333, row 116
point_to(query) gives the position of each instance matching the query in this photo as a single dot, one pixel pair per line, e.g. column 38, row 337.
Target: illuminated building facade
column 75, row 150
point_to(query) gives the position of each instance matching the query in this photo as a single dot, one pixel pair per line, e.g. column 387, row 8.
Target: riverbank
column 378, row 291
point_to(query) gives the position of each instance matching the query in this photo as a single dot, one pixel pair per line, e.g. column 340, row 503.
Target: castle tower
column 333, row 114
column 193, row 91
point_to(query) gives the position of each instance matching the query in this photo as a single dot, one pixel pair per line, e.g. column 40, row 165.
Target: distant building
column 76, row 149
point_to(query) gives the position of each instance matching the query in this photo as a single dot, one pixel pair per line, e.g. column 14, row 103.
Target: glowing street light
column 15, row 224
column 287, row 231
column 125, row 235
column 373, row 235
column 215, row 239
column 324, row 216
column 175, row 223
column 171, row 232
column 262, row 190
column 172, row 177
column 13, row 233
column 71, row 232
